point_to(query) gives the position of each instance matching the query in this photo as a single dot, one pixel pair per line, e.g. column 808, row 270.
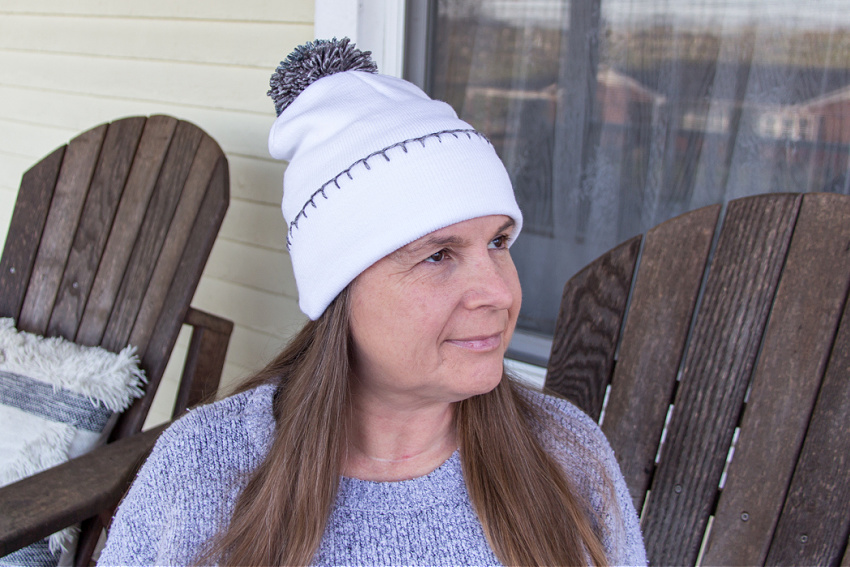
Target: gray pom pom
column 312, row 61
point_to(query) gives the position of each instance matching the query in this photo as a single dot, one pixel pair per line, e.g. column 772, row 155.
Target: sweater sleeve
column 578, row 443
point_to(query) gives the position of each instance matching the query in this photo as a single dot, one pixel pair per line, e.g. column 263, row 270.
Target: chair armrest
column 39, row 505
column 204, row 359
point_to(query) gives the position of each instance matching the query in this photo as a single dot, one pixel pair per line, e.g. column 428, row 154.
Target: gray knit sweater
column 189, row 484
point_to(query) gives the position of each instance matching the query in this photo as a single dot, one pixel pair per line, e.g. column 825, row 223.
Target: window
column 615, row 115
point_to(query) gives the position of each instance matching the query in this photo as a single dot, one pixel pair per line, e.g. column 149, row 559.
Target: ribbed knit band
column 374, row 165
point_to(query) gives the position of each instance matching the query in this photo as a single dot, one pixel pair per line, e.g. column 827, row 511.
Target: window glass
column 615, row 115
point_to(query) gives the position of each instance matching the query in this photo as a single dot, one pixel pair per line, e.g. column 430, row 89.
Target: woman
column 386, row 432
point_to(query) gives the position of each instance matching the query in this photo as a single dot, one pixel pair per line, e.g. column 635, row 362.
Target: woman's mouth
column 478, row 344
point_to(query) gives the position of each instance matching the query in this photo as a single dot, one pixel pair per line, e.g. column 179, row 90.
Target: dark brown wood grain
column 71, row 189
column 107, row 187
column 154, row 356
column 666, row 288
column 155, row 226
column 194, row 190
column 739, row 291
column 153, row 146
column 588, row 328
column 25, row 228
column 793, row 358
column 815, row 524
column 36, row 506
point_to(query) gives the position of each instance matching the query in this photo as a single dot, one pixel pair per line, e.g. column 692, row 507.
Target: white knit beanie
column 374, row 164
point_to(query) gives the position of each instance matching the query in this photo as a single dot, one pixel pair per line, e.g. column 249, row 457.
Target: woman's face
column 431, row 321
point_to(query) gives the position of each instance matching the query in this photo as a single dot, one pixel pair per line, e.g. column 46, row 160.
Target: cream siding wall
column 68, row 66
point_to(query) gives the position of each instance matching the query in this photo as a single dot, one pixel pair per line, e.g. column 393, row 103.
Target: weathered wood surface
column 26, row 226
column 204, row 359
column 55, row 245
column 147, row 247
column 666, row 289
column 588, row 328
column 794, row 354
column 195, row 188
column 104, row 194
column 155, row 355
column 721, row 354
column 156, row 139
column 815, row 521
column 767, row 351
column 39, row 505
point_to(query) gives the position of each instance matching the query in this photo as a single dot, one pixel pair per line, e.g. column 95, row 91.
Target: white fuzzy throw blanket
column 56, row 398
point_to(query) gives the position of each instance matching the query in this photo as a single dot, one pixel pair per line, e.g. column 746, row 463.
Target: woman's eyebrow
column 510, row 224
column 414, row 248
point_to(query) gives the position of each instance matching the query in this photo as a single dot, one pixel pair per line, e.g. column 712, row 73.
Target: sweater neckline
column 443, row 484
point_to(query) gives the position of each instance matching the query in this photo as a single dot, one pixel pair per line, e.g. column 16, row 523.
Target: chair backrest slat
column 666, row 288
column 26, row 226
column 596, row 300
column 179, row 294
column 113, row 167
column 151, row 238
column 62, row 220
column 194, row 190
column 815, row 524
column 150, row 155
column 794, row 354
column 719, row 360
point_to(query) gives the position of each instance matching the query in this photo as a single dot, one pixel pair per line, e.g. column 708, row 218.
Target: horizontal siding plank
column 237, row 132
column 250, row 44
column 264, row 10
column 32, row 142
column 255, row 223
column 255, row 179
column 220, row 87
column 261, row 311
column 252, row 350
column 245, row 264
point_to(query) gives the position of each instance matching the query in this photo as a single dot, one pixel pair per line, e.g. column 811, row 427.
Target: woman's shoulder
column 576, row 441
column 248, row 406
column 239, row 426
column 190, row 480
column 560, row 414
column 572, row 437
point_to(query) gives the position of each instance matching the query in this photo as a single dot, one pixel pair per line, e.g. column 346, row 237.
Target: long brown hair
column 527, row 506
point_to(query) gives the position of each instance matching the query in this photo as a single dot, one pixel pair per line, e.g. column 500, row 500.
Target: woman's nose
column 492, row 282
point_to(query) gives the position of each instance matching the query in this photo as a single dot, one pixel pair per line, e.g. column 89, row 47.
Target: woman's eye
column 437, row 256
column 499, row 242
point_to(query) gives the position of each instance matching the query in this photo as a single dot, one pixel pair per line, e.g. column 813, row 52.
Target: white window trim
column 374, row 25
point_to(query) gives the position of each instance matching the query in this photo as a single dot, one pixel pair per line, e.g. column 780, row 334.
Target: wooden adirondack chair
column 106, row 246
column 739, row 327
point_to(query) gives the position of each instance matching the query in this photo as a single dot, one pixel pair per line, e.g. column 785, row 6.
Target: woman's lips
column 478, row 344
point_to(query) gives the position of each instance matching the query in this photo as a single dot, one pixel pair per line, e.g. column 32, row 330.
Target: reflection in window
column 614, row 115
